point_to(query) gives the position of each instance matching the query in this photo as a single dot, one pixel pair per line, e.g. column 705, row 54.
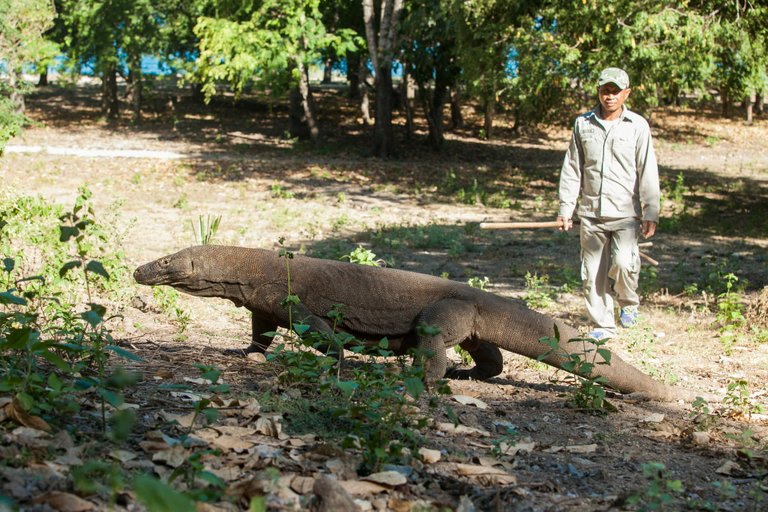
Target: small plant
column 479, row 282
column 538, row 292
column 730, row 314
column 660, row 492
column 504, row 443
column 167, row 299
column 589, row 393
column 675, row 193
column 99, row 477
column 206, row 229
column 737, row 400
column 54, row 342
column 702, row 416
column 363, row 256
column 182, row 203
column 192, row 471
column 279, row 192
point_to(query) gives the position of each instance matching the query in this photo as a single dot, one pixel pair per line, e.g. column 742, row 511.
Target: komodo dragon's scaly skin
column 381, row 302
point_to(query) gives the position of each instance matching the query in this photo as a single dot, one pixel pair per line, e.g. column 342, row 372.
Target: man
column 610, row 167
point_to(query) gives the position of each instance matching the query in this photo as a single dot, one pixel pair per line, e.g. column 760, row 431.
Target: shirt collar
column 623, row 117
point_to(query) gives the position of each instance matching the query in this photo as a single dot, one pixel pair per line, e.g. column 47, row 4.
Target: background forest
column 536, row 59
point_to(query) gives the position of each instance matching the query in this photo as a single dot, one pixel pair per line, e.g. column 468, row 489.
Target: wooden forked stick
column 553, row 224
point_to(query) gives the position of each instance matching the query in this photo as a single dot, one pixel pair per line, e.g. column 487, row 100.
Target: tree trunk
column 383, row 134
column 328, row 71
column 365, row 97
column 381, row 49
column 435, row 112
column 726, row 99
column 43, row 80
column 749, row 103
column 457, row 119
column 759, row 102
column 489, row 111
column 353, row 75
column 137, row 91
column 110, row 105
column 302, row 123
column 307, row 104
column 16, row 97
column 197, row 93
column 296, row 125
column 409, row 105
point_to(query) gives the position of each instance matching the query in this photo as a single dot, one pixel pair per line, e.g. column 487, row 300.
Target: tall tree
column 272, row 49
column 381, row 31
column 429, row 50
column 485, row 32
column 109, row 36
column 22, row 24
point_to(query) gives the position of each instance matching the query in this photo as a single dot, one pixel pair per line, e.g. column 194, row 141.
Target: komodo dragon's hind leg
column 488, row 361
column 454, row 320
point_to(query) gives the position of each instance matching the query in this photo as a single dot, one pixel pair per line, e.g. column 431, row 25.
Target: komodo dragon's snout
column 171, row 270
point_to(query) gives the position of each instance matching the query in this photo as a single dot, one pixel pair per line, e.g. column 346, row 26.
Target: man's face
column 611, row 98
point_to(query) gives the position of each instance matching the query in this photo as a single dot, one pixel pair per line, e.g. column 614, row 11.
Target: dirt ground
column 412, row 212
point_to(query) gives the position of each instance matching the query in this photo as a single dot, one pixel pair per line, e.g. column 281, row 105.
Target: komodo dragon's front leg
column 260, row 325
column 455, row 320
column 299, row 314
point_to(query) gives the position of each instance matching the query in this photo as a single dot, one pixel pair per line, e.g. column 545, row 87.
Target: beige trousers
column 609, row 254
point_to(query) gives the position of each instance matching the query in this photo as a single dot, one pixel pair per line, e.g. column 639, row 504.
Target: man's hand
column 649, row 228
column 565, row 224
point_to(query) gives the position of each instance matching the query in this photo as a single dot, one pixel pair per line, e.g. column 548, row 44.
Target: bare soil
column 411, row 212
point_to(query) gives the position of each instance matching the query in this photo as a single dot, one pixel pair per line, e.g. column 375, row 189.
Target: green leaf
column 55, row 360
column 97, row 267
column 212, row 479
column 10, row 298
column 26, row 401
column 605, row 354
column 69, row 266
column 210, row 415
column 347, row 386
column 18, row 339
column 414, row 386
column 258, row 504
column 159, row 497
column 112, row 398
column 9, row 264
column 121, row 352
column 68, row 232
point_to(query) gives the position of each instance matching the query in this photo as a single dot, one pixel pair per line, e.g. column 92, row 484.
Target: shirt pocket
column 624, row 150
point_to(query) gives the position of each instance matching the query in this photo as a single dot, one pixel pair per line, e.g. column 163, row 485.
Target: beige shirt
column 613, row 173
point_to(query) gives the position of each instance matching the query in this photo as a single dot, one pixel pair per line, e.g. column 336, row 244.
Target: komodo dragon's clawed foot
column 243, row 352
column 464, row 374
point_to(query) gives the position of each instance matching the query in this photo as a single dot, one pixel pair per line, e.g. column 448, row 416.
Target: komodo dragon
column 383, row 302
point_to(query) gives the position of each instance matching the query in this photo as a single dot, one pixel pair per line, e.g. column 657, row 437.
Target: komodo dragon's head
column 174, row 270
column 203, row 270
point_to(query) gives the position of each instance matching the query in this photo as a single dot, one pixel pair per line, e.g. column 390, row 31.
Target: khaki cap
column 614, row 75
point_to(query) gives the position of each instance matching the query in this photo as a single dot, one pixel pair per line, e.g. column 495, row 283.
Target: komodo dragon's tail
column 524, row 333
